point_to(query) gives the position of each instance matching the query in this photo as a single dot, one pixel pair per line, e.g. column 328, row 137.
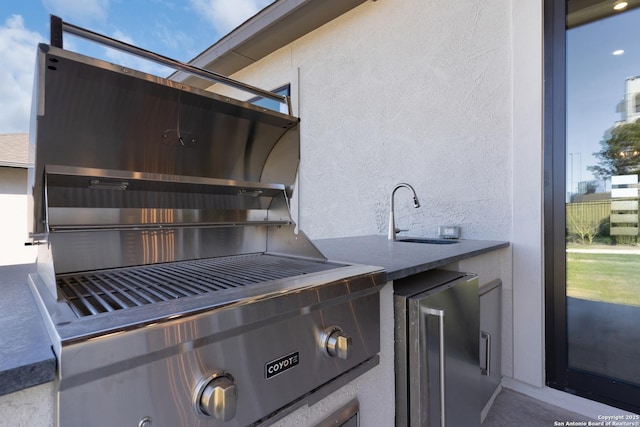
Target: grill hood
column 133, row 169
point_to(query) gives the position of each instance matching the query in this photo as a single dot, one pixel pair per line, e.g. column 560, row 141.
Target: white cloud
column 132, row 61
column 174, row 41
column 123, row 37
column 78, row 11
column 225, row 15
column 18, row 56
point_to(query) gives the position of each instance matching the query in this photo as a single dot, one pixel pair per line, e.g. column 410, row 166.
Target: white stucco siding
column 31, row 407
column 396, row 91
column 13, row 218
column 527, row 238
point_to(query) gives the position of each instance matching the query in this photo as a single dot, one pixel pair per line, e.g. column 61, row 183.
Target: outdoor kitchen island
column 400, row 260
column 442, row 372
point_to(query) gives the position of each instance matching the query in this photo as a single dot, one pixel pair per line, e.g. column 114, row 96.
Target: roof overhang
column 580, row 12
column 275, row 26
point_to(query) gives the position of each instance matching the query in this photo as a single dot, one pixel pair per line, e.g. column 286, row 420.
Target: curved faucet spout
column 416, row 204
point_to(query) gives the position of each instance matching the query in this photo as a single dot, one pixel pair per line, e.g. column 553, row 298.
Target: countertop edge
column 420, row 268
column 402, row 259
column 28, row 375
column 26, row 355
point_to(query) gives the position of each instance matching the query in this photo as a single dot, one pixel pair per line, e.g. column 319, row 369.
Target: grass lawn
column 613, row 278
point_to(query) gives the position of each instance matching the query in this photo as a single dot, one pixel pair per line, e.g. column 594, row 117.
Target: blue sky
column 596, row 84
column 179, row 29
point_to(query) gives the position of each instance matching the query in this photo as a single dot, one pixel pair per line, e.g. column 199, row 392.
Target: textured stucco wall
column 31, row 407
column 402, row 90
column 527, row 228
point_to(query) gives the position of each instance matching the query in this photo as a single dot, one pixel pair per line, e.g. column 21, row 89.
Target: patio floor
column 515, row 409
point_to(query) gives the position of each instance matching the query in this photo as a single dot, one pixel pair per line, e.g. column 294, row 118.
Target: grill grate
column 104, row 291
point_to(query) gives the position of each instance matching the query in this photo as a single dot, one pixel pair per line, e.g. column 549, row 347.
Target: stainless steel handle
column 486, row 369
column 440, row 314
column 58, row 26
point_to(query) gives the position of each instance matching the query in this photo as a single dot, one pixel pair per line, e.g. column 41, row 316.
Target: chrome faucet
column 392, row 225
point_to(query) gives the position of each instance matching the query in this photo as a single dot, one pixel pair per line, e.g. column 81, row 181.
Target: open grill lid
column 92, row 115
column 132, row 169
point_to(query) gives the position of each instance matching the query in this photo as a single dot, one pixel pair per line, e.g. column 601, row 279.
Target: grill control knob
column 216, row 397
column 337, row 343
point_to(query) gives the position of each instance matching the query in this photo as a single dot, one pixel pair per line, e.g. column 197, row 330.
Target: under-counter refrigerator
column 437, row 334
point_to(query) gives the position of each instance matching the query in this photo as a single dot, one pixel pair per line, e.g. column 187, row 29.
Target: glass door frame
column 558, row 374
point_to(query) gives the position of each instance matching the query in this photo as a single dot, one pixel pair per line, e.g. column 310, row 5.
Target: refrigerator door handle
column 485, row 368
column 440, row 314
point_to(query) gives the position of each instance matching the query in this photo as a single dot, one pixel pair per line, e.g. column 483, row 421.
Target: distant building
column 14, row 161
column 629, row 107
column 593, row 190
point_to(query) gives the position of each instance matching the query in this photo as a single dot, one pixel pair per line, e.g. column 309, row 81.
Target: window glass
column 602, row 200
column 273, row 104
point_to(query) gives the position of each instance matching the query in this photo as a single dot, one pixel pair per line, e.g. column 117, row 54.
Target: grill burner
column 104, row 291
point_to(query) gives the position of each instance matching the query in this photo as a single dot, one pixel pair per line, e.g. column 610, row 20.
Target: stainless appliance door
column 444, row 373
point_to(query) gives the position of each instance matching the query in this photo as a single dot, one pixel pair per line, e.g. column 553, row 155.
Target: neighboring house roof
column 270, row 29
column 14, row 150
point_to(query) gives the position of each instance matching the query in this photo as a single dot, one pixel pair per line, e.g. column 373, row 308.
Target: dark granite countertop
column 402, row 259
column 26, row 356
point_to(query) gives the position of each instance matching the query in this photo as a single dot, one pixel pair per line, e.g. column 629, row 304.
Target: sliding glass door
column 593, row 155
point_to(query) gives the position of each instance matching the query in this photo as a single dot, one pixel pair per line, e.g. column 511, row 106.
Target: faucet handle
column 400, row 230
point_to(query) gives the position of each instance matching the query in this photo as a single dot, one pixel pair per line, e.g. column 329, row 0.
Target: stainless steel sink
column 428, row 241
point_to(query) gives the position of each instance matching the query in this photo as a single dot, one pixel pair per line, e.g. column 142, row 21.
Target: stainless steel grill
column 98, row 292
column 174, row 284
